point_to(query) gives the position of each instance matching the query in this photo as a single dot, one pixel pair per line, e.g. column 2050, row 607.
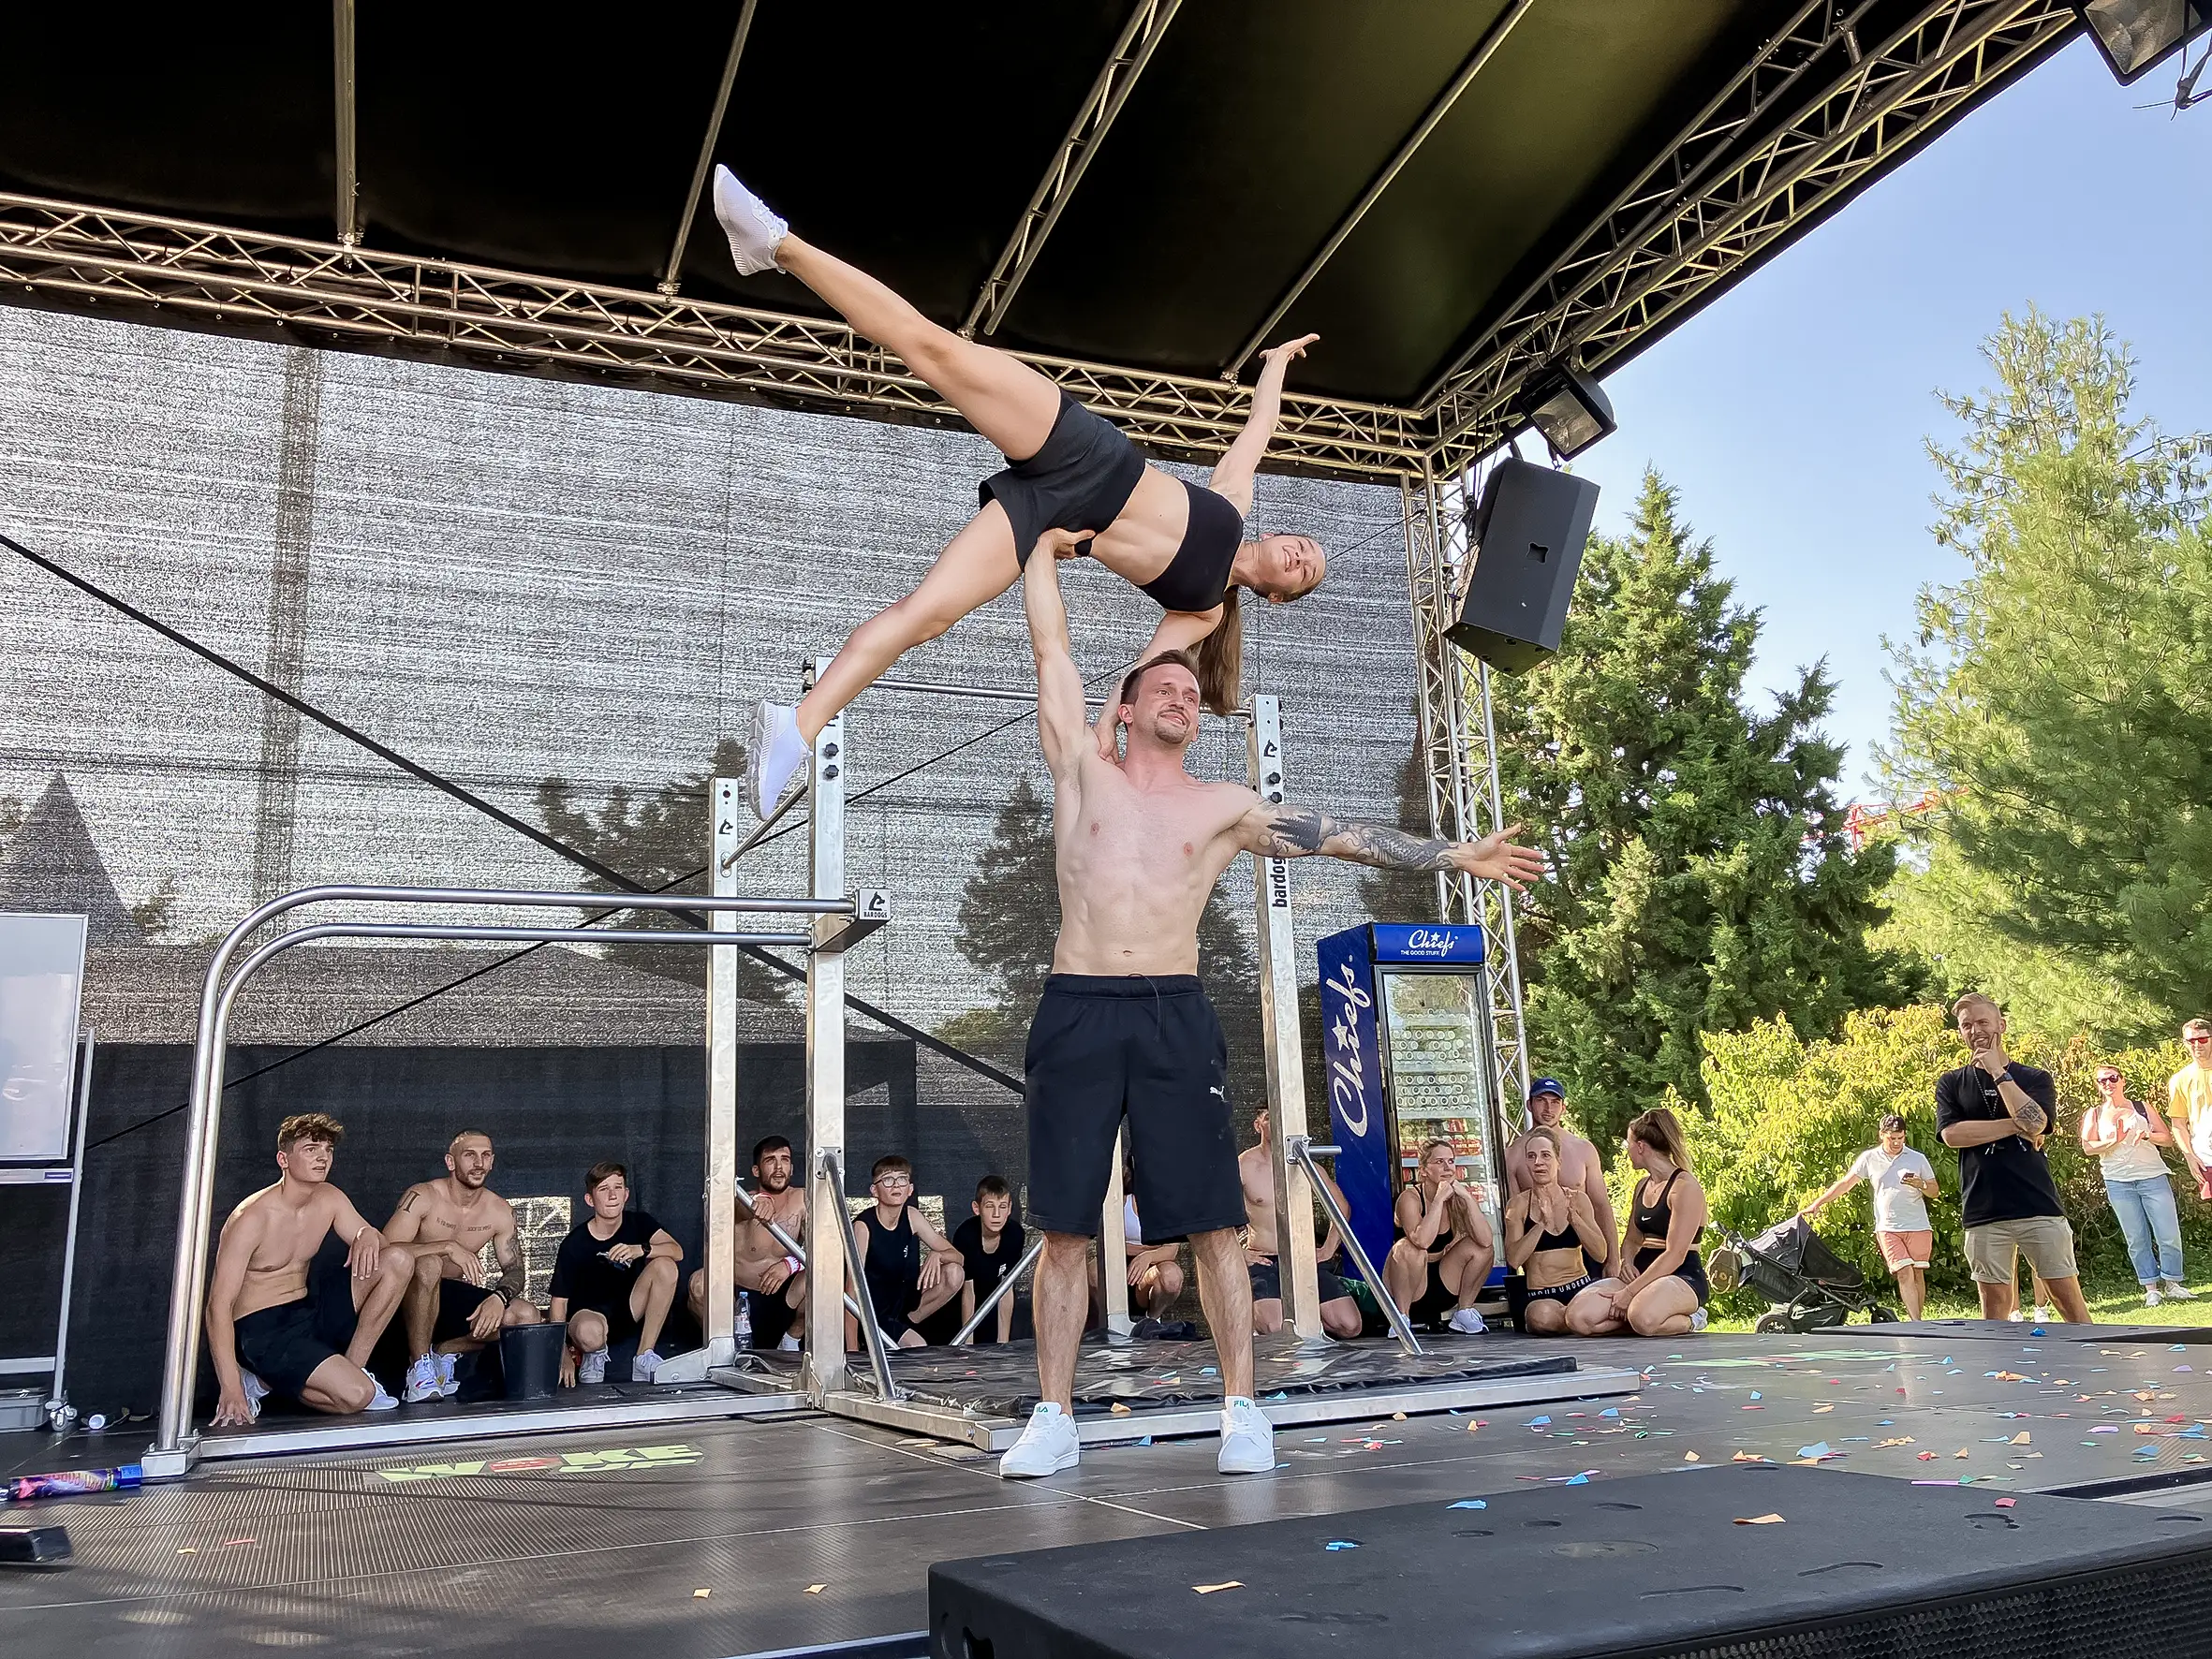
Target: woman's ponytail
column 1221, row 660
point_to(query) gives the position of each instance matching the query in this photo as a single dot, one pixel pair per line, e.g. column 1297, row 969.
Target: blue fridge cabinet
column 1406, row 1045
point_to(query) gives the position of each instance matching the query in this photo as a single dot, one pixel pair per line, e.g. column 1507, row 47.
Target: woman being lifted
column 1182, row 543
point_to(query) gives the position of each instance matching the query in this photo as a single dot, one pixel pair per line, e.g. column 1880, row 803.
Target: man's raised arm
column 1282, row 830
column 1061, row 722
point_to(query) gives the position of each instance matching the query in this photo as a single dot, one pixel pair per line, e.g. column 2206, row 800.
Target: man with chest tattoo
column 1123, row 1026
column 449, row 1308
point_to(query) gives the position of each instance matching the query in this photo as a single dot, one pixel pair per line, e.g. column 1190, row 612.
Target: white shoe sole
column 1243, row 1463
column 1065, row 1462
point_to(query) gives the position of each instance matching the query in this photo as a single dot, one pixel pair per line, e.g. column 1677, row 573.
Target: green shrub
column 1788, row 1117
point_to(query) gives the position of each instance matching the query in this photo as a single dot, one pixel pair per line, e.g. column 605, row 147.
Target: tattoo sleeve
column 511, row 1277
column 1304, row 831
column 2029, row 1116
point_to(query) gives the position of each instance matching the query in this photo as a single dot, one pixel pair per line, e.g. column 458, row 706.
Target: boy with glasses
column 2188, row 1103
column 911, row 1269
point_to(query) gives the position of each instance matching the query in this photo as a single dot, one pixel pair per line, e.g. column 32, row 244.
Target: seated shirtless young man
column 448, row 1308
column 1340, row 1315
column 1581, row 1166
column 1123, row 1027
column 280, row 1320
column 773, row 1279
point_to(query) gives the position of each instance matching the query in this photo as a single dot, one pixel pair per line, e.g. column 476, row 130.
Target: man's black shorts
column 771, row 1315
column 457, row 1302
column 1267, row 1283
column 1101, row 1046
column 1079, row 480
column 282, row 1345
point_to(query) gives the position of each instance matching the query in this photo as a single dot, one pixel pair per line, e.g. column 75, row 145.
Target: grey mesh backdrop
column 512, row 580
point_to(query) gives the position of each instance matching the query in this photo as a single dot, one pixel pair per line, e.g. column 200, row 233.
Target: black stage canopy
column 1454, row 194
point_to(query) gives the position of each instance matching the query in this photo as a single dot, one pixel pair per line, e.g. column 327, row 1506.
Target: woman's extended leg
column 1003, row 398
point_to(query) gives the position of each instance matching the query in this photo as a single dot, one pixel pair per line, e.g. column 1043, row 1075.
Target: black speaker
column 1530, row 526
column 1729, row 1561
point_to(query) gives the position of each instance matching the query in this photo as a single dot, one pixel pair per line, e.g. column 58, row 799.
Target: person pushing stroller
column 1903, row 1181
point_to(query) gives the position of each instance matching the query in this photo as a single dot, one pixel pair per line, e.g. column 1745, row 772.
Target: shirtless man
column 272, row 1327
column 1340, row 1315
column 774, row 1281
column 1124, row 1025
column 1579, row 1163
column 449, row 1308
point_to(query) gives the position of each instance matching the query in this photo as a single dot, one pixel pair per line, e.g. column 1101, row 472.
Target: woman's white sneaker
column 754, row 233
column 1248, row 1438
column 1048, row 1445
column 2179, row 1292
column 1467, row 1322
column 777, row 754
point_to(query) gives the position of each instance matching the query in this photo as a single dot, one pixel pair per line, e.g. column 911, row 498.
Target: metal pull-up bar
column 967, row 1333
column 838, row 924
column 1303, row 1151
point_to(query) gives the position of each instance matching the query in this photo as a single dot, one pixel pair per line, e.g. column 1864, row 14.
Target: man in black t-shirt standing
column 1995, row 1112
column 616, row 1274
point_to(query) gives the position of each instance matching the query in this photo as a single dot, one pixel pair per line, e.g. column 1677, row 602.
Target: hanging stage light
column 2137, row 36
column 1569, row 409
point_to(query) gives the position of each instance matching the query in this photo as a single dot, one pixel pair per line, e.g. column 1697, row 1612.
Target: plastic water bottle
column 742, row 1329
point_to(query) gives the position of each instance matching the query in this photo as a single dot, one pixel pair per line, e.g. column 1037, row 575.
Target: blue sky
column 1791, row 415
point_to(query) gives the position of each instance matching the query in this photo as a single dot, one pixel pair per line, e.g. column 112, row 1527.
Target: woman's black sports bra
column 1654, row 1219
column 1197, row 577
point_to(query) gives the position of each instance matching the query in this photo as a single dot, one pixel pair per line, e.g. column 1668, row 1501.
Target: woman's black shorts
column 1079, row 480
column 1104, row 1047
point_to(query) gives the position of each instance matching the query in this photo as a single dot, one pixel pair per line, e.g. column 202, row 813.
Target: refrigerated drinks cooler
column 1407, row 1045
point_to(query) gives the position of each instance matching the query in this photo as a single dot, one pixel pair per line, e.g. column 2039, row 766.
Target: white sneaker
column 2179, row 1292
column 2018, row 1317
column 422, row 1380
column 2151, row 1297
column 381, row 1400
column 1248, row 1439
column 1697, row 1319
column 754, row 233
column 594, row 1369
column 775, row 757
column 1467, row 1322
column 448, row 1384
column 645, row 1365
column 256, row 1391
column 1048, row 1445
column 2044, row 1315
column 789, row 1345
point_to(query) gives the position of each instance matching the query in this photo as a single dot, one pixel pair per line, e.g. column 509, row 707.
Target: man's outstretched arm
column 1062, row 725
column 1288, row 832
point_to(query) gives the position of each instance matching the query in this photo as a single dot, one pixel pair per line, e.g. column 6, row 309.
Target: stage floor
column 807, row 1530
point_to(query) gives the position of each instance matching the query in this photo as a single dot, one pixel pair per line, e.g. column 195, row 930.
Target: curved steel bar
column 967, row 1334
column 830, row 1170
column 1301, row 1148
column 188, row 1276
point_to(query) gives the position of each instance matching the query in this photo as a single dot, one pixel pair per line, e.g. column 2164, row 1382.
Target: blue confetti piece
column 1820, row 1449
column 1340, row 1544
column 1469, row 1503
column 2039, row 1331
column 1539, row 1422
column 1576, row 1480
column 1756, row 1395
column 1209, row 1371
column 1147, row 1441
column 1609, row 1414
column 1279, row 1394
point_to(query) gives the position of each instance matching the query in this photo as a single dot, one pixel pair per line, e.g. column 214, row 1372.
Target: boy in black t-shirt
column 615, row 1274
column 1995, row 1112
column 990, row 1243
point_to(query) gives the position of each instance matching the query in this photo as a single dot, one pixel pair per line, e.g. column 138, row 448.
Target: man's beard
column 775, row 1184
column 477, row 1185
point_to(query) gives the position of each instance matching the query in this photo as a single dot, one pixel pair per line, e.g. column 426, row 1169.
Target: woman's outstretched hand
column 1289, row 348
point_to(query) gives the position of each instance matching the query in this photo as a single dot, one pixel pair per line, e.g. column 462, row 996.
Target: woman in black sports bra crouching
column 1662, row 1289
column 1553, row 1236
column 1183, row 544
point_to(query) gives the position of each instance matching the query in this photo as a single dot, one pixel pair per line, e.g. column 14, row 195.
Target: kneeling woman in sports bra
column 1553, row 1236
column 1662, row 1289
column 1182, row 544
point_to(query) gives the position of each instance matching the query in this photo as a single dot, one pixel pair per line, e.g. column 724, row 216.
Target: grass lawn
column 2113, row 1302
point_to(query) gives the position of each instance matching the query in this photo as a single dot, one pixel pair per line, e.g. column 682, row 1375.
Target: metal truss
column 1140, row 36
column 1712, row 206
column 1458, row 751
column 92, row 257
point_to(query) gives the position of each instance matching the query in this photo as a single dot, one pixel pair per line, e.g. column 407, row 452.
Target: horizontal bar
column 28, row 1365
column 996, row 694
column 431, row 930
column 58, row 1175
column 528, row 898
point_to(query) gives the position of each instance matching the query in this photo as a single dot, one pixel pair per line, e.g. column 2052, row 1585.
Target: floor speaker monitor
column 1530, row 529
column 1729, row 1561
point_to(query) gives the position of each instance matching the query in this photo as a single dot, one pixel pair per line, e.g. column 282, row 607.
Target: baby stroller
column 1810, row 1288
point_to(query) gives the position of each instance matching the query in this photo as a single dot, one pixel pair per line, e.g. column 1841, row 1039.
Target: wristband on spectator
column 793, row 1263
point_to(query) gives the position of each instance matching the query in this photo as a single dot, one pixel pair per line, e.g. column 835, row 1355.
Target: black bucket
column 530, row 1355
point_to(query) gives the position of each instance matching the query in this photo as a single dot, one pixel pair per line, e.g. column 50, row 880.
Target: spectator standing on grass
column 2124, row 1135
column 1903, row 1179
column 1995, row 1111
column 2188, row 1103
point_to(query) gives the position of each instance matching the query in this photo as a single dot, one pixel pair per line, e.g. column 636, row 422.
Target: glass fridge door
column 1433, row 1055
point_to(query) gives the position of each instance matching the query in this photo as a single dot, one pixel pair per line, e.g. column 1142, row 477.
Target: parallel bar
column 1277, row 938
column 348, row 216
column 1139, row 38
column 1304, row 1152
column 1484, row 48
column 832, row 1175
column 671, row 277
column 1004, row 1288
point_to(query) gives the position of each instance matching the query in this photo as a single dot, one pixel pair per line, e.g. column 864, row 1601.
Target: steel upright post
column 1279, row 1042
column 828, row 1229
column 721, row 1143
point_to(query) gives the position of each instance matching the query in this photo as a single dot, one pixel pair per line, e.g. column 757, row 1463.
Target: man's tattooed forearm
column 512, row 1277
column 1301, row 831
column 2032, row 1118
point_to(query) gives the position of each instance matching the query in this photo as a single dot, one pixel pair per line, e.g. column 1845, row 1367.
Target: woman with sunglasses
column 2124, row 1135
